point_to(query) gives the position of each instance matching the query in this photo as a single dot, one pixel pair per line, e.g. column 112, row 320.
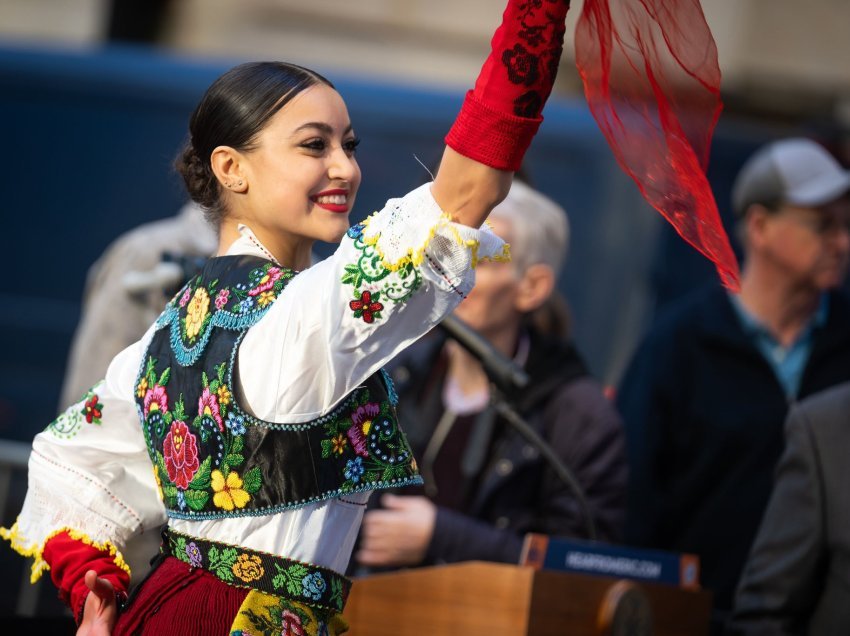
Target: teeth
column 335, row 199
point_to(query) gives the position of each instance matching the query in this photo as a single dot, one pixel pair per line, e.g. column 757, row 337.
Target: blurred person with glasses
column 705, row 396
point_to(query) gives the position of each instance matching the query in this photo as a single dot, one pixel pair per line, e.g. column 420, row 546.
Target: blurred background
column 95, row 97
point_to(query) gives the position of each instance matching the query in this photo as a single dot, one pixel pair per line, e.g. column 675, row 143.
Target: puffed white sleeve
column 90, row 475
column 392, row 278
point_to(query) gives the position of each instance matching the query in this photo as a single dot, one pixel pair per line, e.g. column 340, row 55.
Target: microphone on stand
column 506, row 373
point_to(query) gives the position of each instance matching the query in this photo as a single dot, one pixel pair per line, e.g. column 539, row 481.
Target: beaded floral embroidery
column 374, row 283
column 263, row 614
column 369, row 442
column 295, row 580
column 197, row 456
column 211, row 458
column 202, row 305
column 69, row 423
column 284, row 618
column 185, row 479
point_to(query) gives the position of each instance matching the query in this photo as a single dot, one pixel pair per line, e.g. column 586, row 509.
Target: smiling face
column 300, row 176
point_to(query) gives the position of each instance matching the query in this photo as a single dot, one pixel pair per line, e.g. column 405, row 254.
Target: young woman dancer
column 253, row 418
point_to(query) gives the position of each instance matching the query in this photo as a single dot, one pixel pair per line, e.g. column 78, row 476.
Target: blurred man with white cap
column 791, row 197
column 706, row 395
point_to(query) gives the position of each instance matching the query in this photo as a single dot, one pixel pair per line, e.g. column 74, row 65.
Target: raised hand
column 501, row 115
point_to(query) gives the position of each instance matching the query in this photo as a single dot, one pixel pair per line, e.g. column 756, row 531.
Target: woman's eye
column 316, row 145
column 350, row 145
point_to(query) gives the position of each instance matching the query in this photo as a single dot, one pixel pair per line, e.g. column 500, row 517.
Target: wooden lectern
column 507, row 600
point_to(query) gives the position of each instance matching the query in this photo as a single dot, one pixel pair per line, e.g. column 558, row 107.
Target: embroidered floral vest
column 211, row 458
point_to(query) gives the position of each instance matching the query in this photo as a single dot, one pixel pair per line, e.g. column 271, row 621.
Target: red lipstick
column 335, row 200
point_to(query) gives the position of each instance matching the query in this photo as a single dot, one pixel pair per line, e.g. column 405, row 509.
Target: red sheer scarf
column 652, row 82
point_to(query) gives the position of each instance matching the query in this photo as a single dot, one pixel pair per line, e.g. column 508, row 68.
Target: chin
column 334, row 232
column 336, row 237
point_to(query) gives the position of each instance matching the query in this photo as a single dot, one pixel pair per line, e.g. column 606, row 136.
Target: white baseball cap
column 791, row 171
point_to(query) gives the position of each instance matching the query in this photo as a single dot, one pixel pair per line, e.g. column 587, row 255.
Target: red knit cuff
column 492, row 137
column 69, row 561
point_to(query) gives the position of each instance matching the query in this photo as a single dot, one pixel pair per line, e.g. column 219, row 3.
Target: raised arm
column 501, row 115
column 406, row 267
column 92, row 500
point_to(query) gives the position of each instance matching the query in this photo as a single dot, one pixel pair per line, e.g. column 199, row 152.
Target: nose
column 344, row 167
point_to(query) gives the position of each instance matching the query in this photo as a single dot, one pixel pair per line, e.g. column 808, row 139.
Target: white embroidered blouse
column 90, row 473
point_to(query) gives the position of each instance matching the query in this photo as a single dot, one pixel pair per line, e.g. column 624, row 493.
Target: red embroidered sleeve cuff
column 492, row 137
column 69, row 561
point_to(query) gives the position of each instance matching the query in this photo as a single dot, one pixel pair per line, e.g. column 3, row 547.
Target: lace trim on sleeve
column 50, row 509
column 403, row 231
column 20, row 544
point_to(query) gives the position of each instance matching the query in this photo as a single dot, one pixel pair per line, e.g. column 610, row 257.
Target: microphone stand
column 510, row 414
column 504, row 372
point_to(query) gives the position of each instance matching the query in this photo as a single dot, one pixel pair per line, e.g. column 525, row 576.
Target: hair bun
column 197, row 174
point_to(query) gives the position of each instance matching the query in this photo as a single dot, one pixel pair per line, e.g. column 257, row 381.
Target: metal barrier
column 14, row 456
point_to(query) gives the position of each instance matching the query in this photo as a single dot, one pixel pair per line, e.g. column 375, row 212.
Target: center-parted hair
column 233, row 112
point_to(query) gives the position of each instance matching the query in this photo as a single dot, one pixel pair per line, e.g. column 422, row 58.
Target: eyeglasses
column 822, row 222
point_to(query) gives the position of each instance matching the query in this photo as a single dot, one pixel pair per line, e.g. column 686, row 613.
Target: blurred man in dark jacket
column 797, row 578
column 705, row 397
column 486, row 487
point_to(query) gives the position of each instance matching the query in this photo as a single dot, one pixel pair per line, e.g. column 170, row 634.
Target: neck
column 465, row 369
column 785, row 309
column 297, row 257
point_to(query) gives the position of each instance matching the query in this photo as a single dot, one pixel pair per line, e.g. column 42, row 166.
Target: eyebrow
column 325, row 128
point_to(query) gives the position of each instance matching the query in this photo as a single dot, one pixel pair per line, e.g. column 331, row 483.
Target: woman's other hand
column 101, row 608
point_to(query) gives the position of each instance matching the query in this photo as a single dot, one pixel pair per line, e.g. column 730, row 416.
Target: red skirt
column 178, row 599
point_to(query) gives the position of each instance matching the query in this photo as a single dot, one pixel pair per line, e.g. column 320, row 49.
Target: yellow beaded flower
column 196, row 312
column 224, row 395
column 265, row 298
column 338, row 444
column 229, row 493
